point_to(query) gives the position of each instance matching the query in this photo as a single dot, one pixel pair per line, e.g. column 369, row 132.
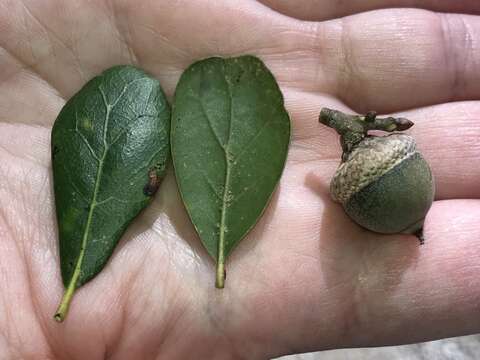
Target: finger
column 61, row 43
column 401, row 59
column 318, row 10
column 236, row 28
column 342, row 288
column 447, row 135
column 24, row 96
column 20, row 229
column 434, row 293
column 161, row 37
column 25, row 142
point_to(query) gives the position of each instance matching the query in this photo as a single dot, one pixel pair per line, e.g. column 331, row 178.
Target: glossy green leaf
column 110, row 145
column 230, row 136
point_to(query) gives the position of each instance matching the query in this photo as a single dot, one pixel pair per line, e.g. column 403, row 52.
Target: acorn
column 384, row 184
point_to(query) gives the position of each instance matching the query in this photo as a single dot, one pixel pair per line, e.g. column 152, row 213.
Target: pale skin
column 306, row 278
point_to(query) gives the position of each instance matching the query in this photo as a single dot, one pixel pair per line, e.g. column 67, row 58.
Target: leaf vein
column 252, row 140
column 84, row 139
column 148, row 166
column 210, row 184
column 78, row 266
column 75, row 187
column 128, row 127
column 230, row 120
column 111, row 198
column 124, row 89
column 210, row 125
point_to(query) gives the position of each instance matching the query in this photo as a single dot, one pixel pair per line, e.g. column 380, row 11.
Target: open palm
column 306, row 277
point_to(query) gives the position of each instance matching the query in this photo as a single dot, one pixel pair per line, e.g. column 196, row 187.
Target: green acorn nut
column 383, row 182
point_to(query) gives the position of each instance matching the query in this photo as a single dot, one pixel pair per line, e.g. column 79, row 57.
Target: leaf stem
column 62, row 309
column 220, row 278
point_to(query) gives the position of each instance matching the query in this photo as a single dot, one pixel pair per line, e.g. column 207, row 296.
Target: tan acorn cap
column 373, row 157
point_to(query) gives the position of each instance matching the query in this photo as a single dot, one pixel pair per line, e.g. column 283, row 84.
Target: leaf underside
column 105, row 141
column 230, row 136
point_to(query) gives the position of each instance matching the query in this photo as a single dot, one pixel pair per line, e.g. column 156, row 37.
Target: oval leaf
column 110, row 145
column 230, row 136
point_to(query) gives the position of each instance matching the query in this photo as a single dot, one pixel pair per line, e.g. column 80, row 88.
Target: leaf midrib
column 101, row 161
column 223, row 216
column 93, row 205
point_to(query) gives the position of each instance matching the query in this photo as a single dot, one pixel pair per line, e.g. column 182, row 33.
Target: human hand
column 307, row 277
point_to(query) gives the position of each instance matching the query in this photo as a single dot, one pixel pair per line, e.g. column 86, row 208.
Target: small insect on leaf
column 108, row 139
column 153, row 183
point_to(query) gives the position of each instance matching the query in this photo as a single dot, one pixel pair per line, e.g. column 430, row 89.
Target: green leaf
column 110, row 145
column 230, row 136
